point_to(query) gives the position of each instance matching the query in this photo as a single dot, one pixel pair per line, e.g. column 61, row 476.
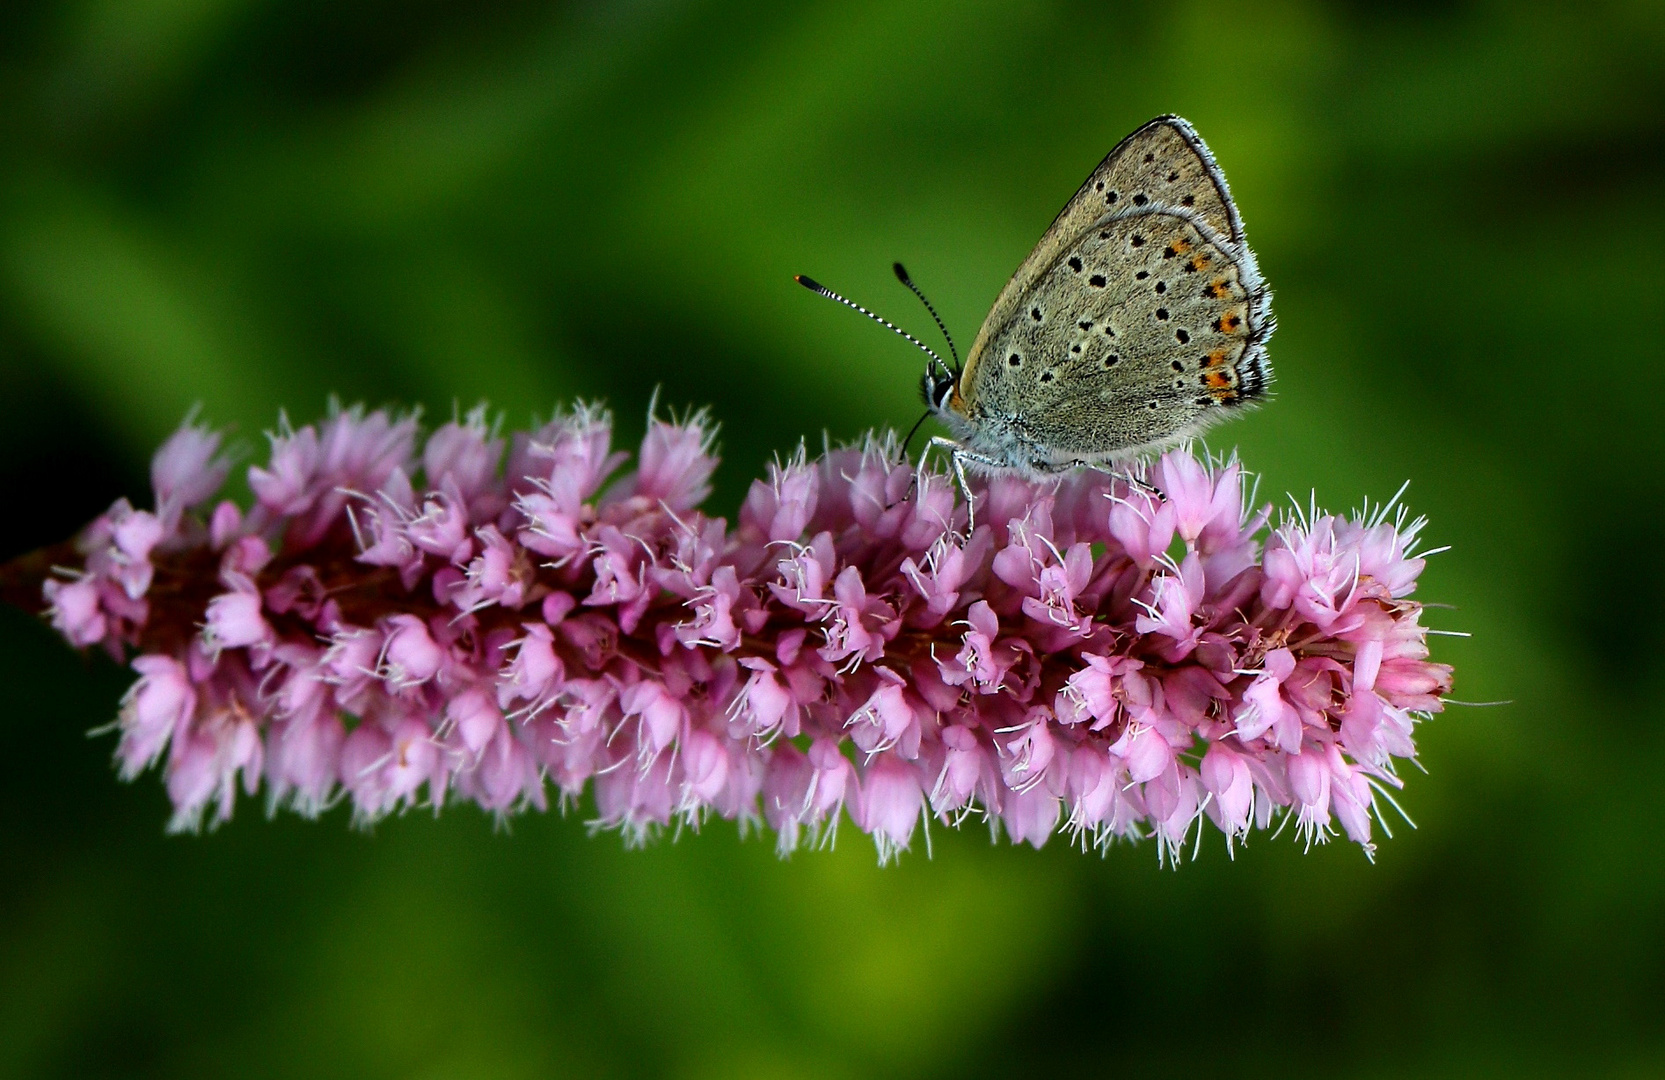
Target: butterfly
column 1139, row 320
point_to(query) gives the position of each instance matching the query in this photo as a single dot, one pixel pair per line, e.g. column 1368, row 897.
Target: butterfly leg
column 958, row 456
column 1125, row 474
column 954, row 450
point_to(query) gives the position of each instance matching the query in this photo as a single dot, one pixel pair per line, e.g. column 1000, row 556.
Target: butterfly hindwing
column 1146, row 328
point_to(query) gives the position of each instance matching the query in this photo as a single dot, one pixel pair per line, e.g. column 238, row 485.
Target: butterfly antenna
column 816, row 287
column 902, row 276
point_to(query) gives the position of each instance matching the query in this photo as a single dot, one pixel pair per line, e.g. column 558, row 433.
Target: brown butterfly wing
column 1149, row 328
column 1163, row 164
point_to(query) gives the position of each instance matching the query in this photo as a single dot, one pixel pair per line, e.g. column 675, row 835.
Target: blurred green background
column 253, row 204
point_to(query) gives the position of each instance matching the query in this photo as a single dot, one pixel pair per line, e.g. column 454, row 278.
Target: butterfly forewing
column 1163, row 164
column 1139, row 319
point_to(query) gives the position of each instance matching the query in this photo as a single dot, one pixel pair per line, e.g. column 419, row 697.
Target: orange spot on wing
column 1219, row 380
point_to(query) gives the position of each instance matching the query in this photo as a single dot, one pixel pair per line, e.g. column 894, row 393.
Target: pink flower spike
column 477, row 616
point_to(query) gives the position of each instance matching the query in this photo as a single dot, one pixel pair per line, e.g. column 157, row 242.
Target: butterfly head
column 938, row 386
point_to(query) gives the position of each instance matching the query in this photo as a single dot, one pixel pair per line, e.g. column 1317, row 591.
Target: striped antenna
column 902, row 276
column 816, row 287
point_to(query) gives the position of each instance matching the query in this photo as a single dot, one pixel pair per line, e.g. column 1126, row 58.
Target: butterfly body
column 1139, row 320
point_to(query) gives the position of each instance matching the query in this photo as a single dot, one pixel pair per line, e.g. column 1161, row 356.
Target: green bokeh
column 253, row 204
